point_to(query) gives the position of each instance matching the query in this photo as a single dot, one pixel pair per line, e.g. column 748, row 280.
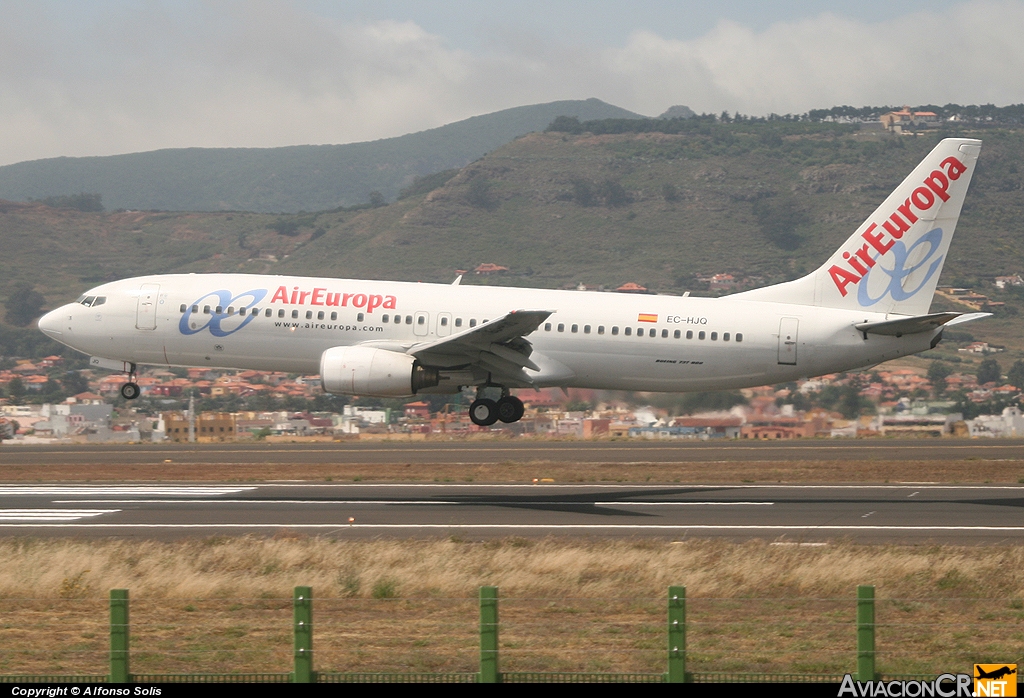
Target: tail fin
column 891, row 264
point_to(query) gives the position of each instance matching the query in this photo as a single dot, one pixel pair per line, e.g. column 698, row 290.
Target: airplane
column 868, row 303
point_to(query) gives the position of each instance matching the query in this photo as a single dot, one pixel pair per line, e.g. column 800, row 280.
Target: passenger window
column 639, row 331
column 627, row 331
column 334, row 316
column 408, row 319
column 182, row 308
column 472, row 323
column 206, row 309
column 700, row 335
column 220, row 310
column 714, row 336
column 320, row 315
column 398, row 319
column 359, row 317
column 444, row 322
column 458, row 322
column 280, row 313
column 561, row 327
column 725, row 337
column 547, row 326
column 195, row 308
column 419, row 321
column 676, row 334
column 615, row 329
column 295, row 314
column 231, row 310
column 664, row 334
column 739, row 336
column 586, row 329
column 689, row 334
column 384, row 318
column 600, row 329
column 241, row 311
column 309, row 314
column 574, row 328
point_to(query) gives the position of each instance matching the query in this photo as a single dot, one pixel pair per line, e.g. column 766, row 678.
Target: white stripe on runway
column 98, row 490
column 51, row 514
column 351, row 502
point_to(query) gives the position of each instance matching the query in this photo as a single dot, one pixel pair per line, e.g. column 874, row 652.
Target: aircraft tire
column 483, row 412
column 510, row 409
column 130, row 391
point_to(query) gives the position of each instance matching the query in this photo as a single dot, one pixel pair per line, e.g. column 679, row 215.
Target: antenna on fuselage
column 458, row 280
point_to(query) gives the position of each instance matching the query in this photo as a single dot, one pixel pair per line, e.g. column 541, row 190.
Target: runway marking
column 912, row 494
column 18, row 490
column 404, row 502
column 867, row 515
column 522, row 527
column 51, row 514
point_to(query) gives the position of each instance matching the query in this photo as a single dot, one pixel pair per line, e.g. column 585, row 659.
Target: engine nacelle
column 373, row 372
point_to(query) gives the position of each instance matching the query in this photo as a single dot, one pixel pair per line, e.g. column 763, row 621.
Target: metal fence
column 528, row 642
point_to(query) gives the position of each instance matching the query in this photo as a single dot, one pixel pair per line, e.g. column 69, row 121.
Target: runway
column 788, row 514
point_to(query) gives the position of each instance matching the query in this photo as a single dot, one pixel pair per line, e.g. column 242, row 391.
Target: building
column 210, row 426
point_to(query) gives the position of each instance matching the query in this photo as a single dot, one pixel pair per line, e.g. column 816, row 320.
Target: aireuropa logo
column 902, row 282
column 995, row 679
column 944, row 686
column 220, row 311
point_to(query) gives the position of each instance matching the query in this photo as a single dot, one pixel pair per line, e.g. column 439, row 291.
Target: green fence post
column 303, row 631
column 676, row 634
column 119, row 636
column 489, row 635
column 865, row 633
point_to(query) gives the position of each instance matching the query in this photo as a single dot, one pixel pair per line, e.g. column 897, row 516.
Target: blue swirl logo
column 900, row 271
column 215, row 320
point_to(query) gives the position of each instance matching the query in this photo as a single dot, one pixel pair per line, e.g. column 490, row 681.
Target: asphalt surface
column 460, row 452
column 788, row 514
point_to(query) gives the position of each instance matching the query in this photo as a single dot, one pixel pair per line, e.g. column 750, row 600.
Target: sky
column 117, row 76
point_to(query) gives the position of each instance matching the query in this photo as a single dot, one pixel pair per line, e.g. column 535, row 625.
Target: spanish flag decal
column 646, row 317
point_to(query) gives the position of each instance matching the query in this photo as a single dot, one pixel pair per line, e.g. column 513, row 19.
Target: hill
column 760, row 201
column 298, row 178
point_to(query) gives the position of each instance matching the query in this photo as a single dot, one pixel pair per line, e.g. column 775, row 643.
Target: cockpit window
column 88, row 301
column 91, row 301
column 100, row 300
column 80, row 298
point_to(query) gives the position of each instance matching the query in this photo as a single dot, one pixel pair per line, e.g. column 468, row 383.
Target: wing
column 498, row 346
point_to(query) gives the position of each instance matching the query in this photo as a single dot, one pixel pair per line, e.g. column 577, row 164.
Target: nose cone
column 52, row 323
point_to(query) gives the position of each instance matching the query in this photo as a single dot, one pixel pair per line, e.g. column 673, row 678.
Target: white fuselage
column 598, row 340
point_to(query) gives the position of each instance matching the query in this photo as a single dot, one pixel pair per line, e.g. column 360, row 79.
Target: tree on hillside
column 938, row 371
column 1016, row 374
column 989, row 372
column 15, row 390
column 24, row 304
column 669, row 191
column 480, row 194
column 779, row 218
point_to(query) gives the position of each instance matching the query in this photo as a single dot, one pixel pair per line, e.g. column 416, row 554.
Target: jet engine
column 375, row 372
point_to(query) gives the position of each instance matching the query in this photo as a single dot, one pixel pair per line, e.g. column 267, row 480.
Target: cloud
column 128, row 77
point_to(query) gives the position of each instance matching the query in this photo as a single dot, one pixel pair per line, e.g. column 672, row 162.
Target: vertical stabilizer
column 891, row 264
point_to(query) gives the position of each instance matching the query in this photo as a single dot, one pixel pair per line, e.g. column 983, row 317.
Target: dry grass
column 223, row 605
column 262, row 469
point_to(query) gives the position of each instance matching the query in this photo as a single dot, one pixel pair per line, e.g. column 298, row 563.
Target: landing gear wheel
column 483, row 412
column 510, row 409
column 130, row 391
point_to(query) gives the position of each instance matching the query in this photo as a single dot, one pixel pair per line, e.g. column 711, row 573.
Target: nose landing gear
column 485, row 412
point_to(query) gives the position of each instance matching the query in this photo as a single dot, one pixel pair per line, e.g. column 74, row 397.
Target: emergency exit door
column 788, row 330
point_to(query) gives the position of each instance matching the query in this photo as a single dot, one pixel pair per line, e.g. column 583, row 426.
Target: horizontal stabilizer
column 920, row 323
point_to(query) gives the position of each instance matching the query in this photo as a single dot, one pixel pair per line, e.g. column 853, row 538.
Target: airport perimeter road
column 785, row 513
column 499, row 451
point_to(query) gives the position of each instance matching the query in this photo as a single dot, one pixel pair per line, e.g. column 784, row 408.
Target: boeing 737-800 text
column 867, row 304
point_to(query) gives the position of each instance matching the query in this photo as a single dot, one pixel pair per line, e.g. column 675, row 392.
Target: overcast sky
column 113, row 76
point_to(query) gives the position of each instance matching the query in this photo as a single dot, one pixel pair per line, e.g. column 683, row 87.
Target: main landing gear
column 130, row 390
column 484, row 412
